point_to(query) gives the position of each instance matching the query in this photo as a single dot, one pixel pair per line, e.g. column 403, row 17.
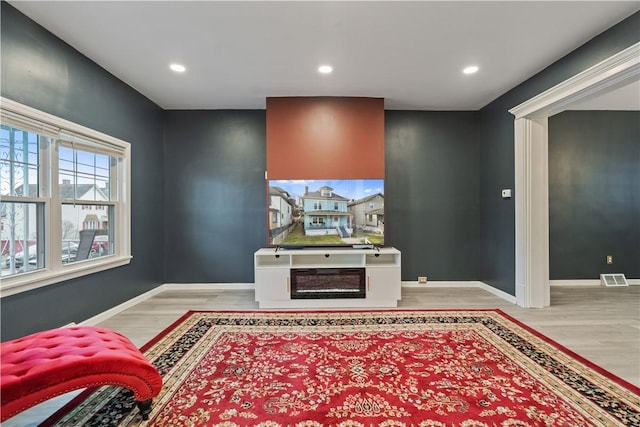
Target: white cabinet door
column 272, row 284
column 383, row 283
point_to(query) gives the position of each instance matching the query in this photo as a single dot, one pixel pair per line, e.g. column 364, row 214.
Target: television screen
column 330, row 212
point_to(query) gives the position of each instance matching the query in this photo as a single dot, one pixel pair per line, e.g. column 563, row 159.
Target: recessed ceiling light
column 470, row 70
column 178, row 68
column 325, row 69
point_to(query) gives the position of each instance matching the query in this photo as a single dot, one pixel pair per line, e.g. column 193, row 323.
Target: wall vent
column 612, row 280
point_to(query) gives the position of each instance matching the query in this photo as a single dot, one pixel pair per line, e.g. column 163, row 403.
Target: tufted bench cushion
column 46, row 364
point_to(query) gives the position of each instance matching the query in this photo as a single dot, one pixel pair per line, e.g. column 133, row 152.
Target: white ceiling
column 409, row 53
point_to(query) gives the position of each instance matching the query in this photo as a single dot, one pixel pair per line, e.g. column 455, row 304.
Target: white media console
column 340, row 277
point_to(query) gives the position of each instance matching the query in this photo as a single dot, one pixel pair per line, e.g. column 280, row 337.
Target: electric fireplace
column 318, row 283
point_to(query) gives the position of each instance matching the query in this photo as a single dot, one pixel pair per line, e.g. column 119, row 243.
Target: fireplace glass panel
column 317, row 283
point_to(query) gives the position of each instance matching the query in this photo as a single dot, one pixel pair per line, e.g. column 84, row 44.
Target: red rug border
column 53, row 418
column 592, row 365
column 166, row 330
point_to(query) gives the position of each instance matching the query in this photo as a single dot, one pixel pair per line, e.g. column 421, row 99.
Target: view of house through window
column 85, row 192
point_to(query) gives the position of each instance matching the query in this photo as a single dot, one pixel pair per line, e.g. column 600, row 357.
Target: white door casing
column 531, row 167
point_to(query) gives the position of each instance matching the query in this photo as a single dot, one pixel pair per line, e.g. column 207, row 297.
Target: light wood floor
column 600, row 324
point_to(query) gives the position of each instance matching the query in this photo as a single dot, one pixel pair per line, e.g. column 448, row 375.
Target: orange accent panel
column 325, row 137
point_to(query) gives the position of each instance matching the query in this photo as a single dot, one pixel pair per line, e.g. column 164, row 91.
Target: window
column 64, row 211
column 317, row 206
column 335, row 206
column 86, row 176
column 21, row 208
column 326, row 191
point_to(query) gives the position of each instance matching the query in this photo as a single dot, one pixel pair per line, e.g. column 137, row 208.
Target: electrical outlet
column 609, row 259
column 422, row 279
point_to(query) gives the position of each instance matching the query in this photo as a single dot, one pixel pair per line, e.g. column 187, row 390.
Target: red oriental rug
column 389, row 368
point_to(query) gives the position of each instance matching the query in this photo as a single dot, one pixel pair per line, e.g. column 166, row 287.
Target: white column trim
column 532, row 218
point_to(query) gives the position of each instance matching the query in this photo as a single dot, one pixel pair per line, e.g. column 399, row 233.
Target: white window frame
column 63, row 131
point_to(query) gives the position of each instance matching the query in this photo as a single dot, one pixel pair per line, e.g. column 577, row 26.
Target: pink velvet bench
column 50, row 363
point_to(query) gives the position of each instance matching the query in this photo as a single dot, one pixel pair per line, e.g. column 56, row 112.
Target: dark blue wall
column 215, row 195
column 594, row 194
column 497, row 216
column 42, row 72
column 431, row 193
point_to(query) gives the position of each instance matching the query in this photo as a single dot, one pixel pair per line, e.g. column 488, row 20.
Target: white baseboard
column 167, row 286
column 497, row 292
column 121, row 307
column 461, row 284
column 576, row 282
column 208, row 286
column 586, row 282
column 441, row 284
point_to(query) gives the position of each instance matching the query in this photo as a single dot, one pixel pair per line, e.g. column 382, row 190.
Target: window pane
column 86, row 232
column 21, row 238
column 84, row 175
column 18, row 162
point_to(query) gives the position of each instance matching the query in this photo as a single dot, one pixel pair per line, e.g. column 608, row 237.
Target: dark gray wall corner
column 594, row 194
column 497, row 218
column 431, row 193
column 41, row 71
column 497, row 215
column 215, row 194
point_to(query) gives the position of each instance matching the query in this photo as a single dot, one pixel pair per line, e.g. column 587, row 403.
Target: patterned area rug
column 388, row 368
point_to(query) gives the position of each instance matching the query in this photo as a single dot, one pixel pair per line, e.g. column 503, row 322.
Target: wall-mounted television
column 326, row 212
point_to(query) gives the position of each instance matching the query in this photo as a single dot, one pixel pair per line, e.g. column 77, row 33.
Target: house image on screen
column 368, row 213
column 281, row 214
column 325, row 212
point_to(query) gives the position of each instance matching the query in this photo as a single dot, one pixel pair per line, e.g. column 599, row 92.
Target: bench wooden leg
column 145, row 408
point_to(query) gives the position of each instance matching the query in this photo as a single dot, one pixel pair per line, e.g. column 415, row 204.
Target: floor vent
column 612, row 280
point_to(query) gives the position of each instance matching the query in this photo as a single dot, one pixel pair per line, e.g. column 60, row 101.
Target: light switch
column 506, row 194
